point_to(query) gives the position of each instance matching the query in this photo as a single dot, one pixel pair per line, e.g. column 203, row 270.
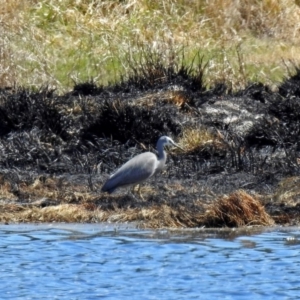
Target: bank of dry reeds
column 236, row 210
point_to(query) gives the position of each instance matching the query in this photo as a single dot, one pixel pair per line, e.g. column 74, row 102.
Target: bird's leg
column 132, row 192
column 133, row 188
column 133, row 196
column 140, row 192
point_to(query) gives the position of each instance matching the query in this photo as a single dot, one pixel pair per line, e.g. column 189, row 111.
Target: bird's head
column 167, row 141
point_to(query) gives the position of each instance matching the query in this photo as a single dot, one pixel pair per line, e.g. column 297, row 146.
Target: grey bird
column 140, row 167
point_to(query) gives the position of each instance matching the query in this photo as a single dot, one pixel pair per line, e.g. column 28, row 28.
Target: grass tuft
column 237, row 209
column 199, row 139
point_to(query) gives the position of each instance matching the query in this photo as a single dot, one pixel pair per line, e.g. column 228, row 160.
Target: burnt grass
column 59, row 149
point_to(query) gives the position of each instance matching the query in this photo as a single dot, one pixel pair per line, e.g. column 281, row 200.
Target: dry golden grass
column 54, row 201
column 288, row 191
column 6, row 192
column 57, row 42
column 199, row 139
column 178, row 98
column 237, row 209
column 50, row 189
column 164, row 216
column 154, row 217
column 61, row 213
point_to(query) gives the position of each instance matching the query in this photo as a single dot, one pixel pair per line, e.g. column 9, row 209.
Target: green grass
column 57, row 43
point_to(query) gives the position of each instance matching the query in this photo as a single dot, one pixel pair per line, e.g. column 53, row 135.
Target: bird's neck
column 162, row 156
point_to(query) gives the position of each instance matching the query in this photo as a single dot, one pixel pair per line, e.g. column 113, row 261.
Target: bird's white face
column 170, row 142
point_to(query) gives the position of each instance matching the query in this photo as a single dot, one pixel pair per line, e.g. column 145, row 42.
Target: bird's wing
column 138, row 169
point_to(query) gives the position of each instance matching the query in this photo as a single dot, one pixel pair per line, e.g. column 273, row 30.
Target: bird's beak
column 176, row 145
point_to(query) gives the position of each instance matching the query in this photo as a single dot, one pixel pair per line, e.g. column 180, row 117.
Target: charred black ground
column 82, row 136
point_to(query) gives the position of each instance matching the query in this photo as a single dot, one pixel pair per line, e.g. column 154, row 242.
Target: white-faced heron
column 140, row 167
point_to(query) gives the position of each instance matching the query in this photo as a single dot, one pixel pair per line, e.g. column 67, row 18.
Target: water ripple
column 91, row 262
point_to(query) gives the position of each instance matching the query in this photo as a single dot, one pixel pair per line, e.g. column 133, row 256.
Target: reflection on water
column 96, row 261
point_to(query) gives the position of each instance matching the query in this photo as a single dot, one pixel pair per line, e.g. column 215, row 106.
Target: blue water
column 66, row 261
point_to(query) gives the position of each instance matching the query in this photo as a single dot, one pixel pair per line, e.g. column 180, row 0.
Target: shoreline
column 166, row 207
column 241, row 164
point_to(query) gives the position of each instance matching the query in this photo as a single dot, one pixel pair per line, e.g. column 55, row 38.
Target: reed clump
column 237, row 209
column 201, row 140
